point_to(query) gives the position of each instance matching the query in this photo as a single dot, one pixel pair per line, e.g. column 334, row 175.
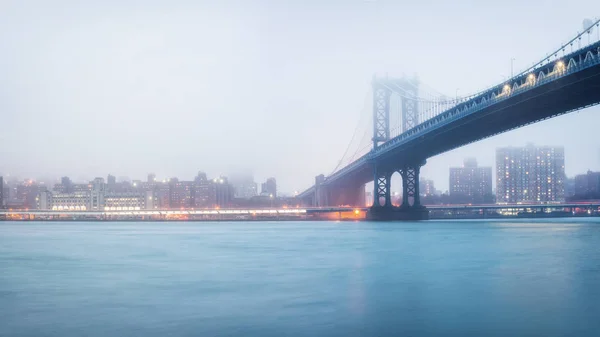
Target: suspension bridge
column 411, row 123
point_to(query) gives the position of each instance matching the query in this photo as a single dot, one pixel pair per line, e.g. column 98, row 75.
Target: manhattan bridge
column 411, row 123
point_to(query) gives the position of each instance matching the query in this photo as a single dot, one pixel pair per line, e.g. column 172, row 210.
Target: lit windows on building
column 470, row 183
column 530, row 174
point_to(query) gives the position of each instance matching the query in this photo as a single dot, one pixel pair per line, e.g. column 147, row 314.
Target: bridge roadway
column 564, row 85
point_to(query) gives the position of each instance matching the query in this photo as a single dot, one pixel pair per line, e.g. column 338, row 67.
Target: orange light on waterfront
column 356, row 211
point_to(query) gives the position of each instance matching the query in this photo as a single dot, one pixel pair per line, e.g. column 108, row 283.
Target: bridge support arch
column 411, row 208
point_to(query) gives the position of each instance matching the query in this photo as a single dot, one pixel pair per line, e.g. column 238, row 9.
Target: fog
column 274, row 87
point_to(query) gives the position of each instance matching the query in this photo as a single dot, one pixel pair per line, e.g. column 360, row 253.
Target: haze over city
column 277, row 89
column 299, row 168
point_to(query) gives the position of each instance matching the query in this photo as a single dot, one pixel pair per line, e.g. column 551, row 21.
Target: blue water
column 467, row 278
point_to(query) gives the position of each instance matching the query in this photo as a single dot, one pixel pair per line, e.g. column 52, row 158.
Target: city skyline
column 246, row 186
column 298, row 103
column 239, row 175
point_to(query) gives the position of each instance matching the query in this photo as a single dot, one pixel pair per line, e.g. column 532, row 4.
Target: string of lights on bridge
column 431, row 104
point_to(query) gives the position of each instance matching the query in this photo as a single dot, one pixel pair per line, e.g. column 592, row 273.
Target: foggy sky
column 276, row 87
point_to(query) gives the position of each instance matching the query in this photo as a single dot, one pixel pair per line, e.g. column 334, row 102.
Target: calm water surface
column 495, row 278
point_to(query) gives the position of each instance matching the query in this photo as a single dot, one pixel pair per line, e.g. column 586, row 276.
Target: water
column 493, row 278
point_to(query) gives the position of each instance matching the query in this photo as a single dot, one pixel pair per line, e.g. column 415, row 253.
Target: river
column 452, row 278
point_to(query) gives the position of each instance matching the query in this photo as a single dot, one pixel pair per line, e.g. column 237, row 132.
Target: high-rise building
column 97, row 194
column 66, row 185
column 180, row 193
column 569, row 188
column 201, row 191
column 162, row 195
column 26, row 194
column 1, row 192
column 269, row 188
column 426, row 187
column 530, row 174
column 587, row 186
column 243, row 185
column 151, row 178
column 470, row 183
column 111, row 181
column 221, row 192
column 44, row 200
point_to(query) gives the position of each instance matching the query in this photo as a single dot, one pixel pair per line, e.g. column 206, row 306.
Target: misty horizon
column 124, row 89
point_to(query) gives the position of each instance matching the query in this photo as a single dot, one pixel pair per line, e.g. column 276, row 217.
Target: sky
column 276, row 88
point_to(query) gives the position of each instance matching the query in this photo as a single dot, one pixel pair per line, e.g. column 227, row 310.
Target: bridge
column 567, row 80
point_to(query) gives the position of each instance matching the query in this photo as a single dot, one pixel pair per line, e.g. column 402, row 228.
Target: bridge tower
column 410, row 110
column 409, row 169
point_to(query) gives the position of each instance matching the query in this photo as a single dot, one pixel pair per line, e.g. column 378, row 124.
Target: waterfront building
column 26, row 194
column 471, row 184
column 243, row 185
column 161, row 194
column 530, row 174
column 587, row 186
column 111, row 181
column 97, row 194
column 131, row 201
column 180, row 193
column 220, row 192
column 76, row 201
column 66, row 184
column 269, row 188
column 201, row 191
column 426, row 187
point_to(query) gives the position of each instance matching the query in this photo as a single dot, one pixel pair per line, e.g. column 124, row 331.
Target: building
column 201, row 191
column 161, row 195
column 151, row 200
column 151, row 178
column 65, row 186
column 426, row 187
column 76, row 201
column 95, row 198
column 244, row 186
column 269, row 188
column 220, row 192
column 97, row 193
column 5, row 194
column 26, row 194
column 569, row 188
column 126, row 202
column 1, row 192
column 111, row 180
column 530, row 174
column 587, row 186
column 180, row 193
column 470, row 184
column 44, row 200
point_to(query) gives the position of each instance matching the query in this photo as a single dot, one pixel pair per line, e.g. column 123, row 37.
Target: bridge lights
column 560, row 66
column 506, row 88
column 531, row 78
